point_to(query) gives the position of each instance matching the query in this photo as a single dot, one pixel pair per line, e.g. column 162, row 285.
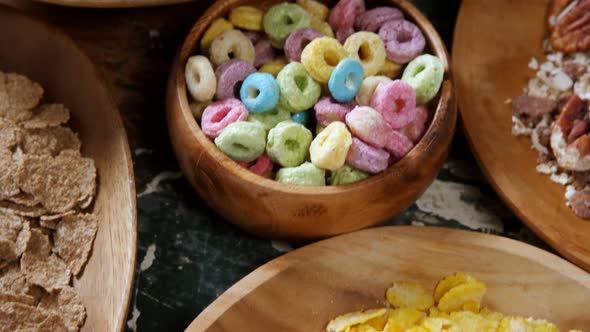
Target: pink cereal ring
column 221, row 114
column 262, row 166
column 327, row 110
column 367, row 158
column 403, row 41
column 416, row 129
column 345, row 13
column 372, row 20
column 368, row 125
column 396, row 101
column 230, row 75
column 398, row 144
column 297, row 41
column 343, row 33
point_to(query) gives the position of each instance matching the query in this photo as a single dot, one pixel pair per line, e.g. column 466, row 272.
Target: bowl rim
column 443, row 109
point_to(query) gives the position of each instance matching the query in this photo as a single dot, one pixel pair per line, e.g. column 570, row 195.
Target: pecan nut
column 570, row 140
column 571, row 30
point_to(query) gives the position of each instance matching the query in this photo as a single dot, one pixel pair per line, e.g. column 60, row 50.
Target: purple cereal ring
column 263, row 52
column 221, row 114
column 343, row 33
column 345, row 13
column 297, row 41
column 396, row 101
column 368, row 125
column 367, row 158
column 230, row 75
column 327, row 110
column 398, row 145
column 372, row 20
column 254, row 36
column 403, row 41
column 416, row 128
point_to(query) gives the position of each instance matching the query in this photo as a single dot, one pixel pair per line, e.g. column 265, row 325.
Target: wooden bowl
column 49, row 57
column 271, row 209
column 306, row 288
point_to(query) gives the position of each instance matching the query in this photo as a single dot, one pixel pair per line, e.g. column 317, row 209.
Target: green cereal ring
column 321, row 56
column 305, row 175
column 288, row 143
column 298, row 89
column 280, row 20
column 270, row 119
column 425, row 75
column 346, row 175
column 242, row 141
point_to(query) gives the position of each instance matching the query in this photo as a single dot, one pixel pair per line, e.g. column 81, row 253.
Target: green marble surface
column 188, row 255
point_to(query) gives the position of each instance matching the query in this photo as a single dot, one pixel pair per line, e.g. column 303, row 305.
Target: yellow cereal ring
column 390, row 69
column 321, row 56
column 247, row 17
column 217, row 27
column 458, row 296
column 408, row 294
column 322, row 27
column 342, row 322
column 231, row 44
column 275, row 66
column 368, row 87
column 197, row 108
column 315, row 9
column 449, row 282
column 330, row 147
column 368, row 48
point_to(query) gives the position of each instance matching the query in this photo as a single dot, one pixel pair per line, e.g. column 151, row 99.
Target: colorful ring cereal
column 367, row 158
column 305, row 175
column 302, row 117
column 217, row 116
column 343, row 33
column 373, row 19
column 322, row 27
column 271, row 118
column 283, row 19
column 390, row 69
column 367, row 47
column 229, row 77
column 263, row 52
column 260, row 92
column 297, row 40
column 330, row 147
column 368, row 125
column 288, row 143
column 200, row 78
column 345, row 13
column 345, row 175
column 242, row 141
column 415, row 130
column 231, row 44
column 328, row 110
column 315, row 9
column 403, row 41
column 425, row 75
column 246, row 17
column 262, row 165
column 346, row 80
column 217, row 27
column 398, row 145
column 396, row 101
column 274, row 67
column 197, row 108
column 363, row 97
column 321, row 56
column 298, row 89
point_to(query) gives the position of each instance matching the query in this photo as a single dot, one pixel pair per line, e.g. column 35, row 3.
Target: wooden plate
column 113, row 3
column 494, row 42
column 50, row 58
column 304, row 289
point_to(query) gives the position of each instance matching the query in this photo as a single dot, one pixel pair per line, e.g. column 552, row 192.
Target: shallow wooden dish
column 490, row 66
column 271, row 209
column 67, row 75
column 304, row 289
column 113, row 3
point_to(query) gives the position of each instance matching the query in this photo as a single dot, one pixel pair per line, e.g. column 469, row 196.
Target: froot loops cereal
column 310, row 95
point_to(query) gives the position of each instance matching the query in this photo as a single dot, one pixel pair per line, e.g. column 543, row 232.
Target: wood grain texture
column 304, row 289
column 113, row 3
column 271, row 209
column 490, row 66
column 50, row 58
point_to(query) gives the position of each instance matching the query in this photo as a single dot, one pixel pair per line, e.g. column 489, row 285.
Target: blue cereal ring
column 301, row 117
column 346, row 80
column 260, row 92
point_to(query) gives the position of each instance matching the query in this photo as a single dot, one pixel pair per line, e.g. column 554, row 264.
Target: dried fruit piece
column 67, row 304
column 341, row 323
column 458, row 296
column 18, row 95
column 73, row 239
column 408, row 294
column 47, row 115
